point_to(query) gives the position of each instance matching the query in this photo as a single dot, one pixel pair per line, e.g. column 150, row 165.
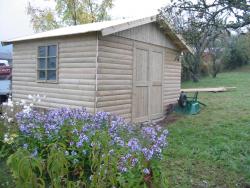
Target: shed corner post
column 96, row 73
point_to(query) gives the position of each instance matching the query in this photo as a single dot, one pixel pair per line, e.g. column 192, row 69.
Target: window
column 47, row 63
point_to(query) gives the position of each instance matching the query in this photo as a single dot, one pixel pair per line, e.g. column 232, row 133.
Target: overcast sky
column 14, row 21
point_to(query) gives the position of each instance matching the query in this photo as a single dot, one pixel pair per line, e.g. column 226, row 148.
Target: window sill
column 47, row 81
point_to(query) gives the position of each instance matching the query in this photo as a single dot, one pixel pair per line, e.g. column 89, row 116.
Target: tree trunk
column 195, row 73
column 215, row 70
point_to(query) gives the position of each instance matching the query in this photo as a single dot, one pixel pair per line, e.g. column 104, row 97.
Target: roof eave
column 178, row 39
column 127, row 25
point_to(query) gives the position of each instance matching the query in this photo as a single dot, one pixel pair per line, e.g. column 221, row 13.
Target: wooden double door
column 147, row 82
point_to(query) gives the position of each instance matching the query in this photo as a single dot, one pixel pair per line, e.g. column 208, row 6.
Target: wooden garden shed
column 127, row 67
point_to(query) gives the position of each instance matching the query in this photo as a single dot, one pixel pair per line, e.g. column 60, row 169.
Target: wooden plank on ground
column 215, row 89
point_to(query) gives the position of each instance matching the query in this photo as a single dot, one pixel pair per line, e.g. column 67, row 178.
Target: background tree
column 201, row 22
column 236, row 51
column 68, row 12
column 197, row 35
column 215, row 50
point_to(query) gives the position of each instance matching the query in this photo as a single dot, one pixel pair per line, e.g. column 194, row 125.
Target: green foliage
column 57, row 166
column 69, row 12
column 236, row 53
column 42, row 19
column 26, row 170
column 7, row 146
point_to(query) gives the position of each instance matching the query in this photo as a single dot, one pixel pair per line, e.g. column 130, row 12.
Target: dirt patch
column 170, row 118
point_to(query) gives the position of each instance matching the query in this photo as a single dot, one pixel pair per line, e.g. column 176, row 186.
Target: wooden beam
column 216, row 89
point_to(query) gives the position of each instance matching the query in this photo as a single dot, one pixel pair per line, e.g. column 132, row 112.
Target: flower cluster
column 9, row 138
column 148, row 141
column 92, row 140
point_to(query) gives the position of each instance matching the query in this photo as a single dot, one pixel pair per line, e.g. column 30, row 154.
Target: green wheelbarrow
column 188, row 105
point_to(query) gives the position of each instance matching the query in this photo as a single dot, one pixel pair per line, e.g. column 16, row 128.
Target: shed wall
column 94, row 73
column 171, row 78
column 76, row 72
column 148, row 33
column 114, row 76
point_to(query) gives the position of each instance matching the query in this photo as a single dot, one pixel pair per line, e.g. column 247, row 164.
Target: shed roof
column 106, row 28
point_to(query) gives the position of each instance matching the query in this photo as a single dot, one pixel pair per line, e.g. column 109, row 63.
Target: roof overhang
column 107, row 28
column 127, row 25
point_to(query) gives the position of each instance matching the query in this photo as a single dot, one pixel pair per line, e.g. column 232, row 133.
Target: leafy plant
column 26, row 169
column 236, row 53
column 72, row 148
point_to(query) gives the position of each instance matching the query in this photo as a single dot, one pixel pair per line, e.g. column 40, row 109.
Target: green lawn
column 212, row 149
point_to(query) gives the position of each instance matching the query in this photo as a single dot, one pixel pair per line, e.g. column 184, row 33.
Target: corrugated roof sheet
column 71, row 30
column 106, row 28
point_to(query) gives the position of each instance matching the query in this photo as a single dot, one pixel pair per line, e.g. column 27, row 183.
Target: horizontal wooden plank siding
column 148, row 33
column 76, row 85
column 114, row 76
column 171, row 78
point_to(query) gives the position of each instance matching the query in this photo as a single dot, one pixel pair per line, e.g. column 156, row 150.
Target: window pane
column 52, row 50
column 52, row 63
column 41, row 75
column 51, row 75
column 41, row 63
column 42, row 51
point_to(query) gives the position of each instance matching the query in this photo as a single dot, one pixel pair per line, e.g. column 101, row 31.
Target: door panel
column 156, row 61
column 147, row 82
column 156, row 102
column 140, row 84
column 141, row 65
column 141, row 109
column 156, row 64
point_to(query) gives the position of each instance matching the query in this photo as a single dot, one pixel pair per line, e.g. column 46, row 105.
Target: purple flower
column 25, row 146
column 148, row 153
column 119, row 141
column 134, row 161
column 84, row 152
column 80, row 132
column 111, row 151
column 165, row 132
column 101, row 117
column 73, row 153
column 146, row 171
column 35, row 152
column 79, row 144
column 123, row 169
column 134, row 145
column 149, row 132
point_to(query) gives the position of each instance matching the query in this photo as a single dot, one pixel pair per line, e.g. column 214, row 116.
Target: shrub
column 204, row 69
column 236, row 53
column 72, row 148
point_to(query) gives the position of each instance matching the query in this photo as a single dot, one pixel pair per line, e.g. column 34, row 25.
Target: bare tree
column 201, row 22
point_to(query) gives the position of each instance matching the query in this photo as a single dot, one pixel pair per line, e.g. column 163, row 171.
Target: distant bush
column 72, row 148
column 204, row 69
column 236, row 53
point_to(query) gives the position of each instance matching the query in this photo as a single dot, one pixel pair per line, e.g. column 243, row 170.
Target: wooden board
column 215, row 89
